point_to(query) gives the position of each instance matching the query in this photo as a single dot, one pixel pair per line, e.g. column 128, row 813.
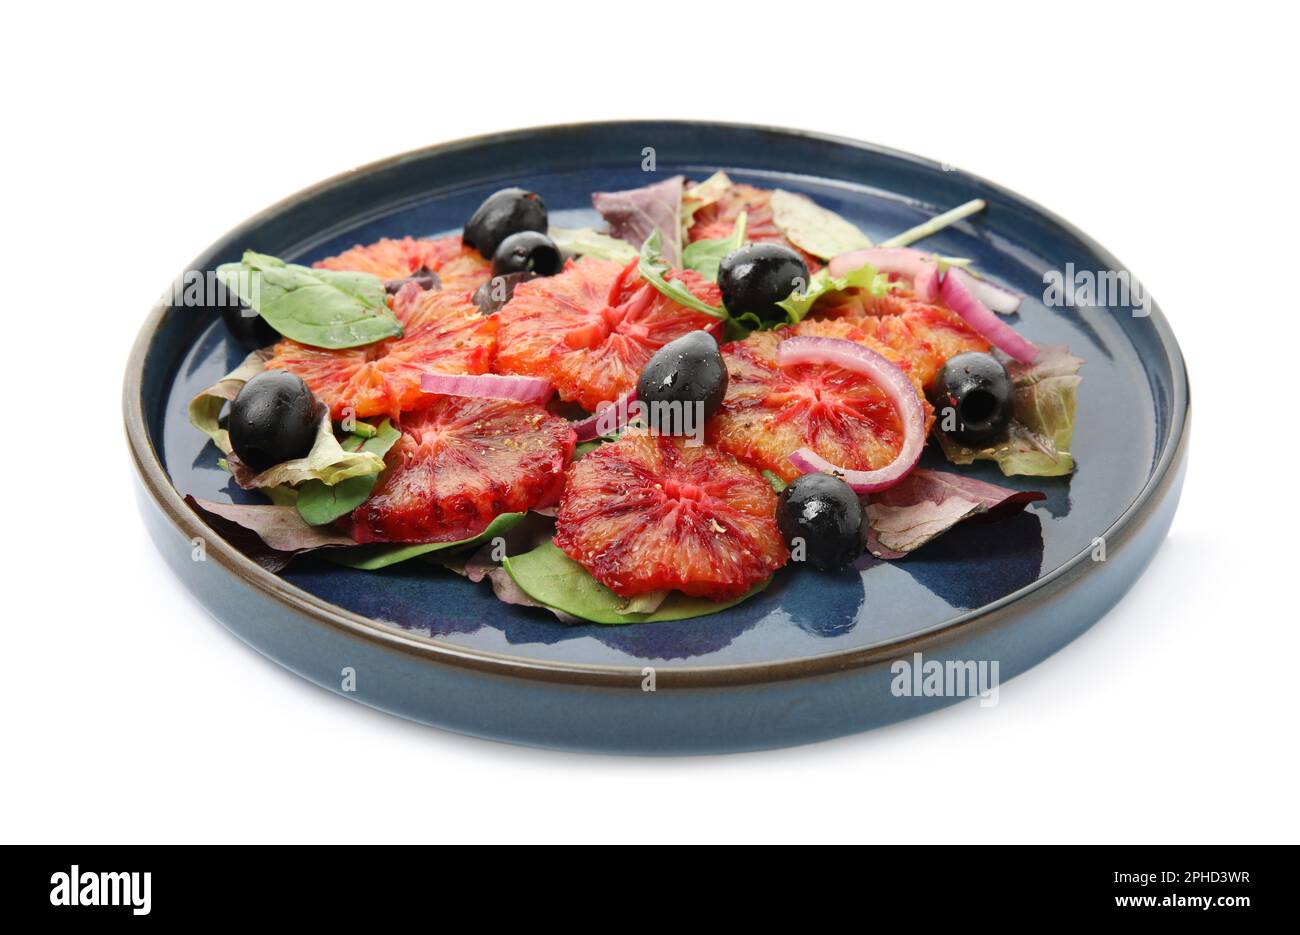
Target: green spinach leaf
column 374, row 557
column 320, row 307
column 320, row 503
column 548, row 575
column 705, row 256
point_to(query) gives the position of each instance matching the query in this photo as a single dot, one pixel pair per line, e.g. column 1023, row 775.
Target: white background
column 133, row 139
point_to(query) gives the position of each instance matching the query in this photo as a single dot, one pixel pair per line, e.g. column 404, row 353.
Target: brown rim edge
column 167, row 498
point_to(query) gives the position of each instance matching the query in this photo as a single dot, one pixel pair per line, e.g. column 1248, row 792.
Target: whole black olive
column 503, row 213
column 273, row 419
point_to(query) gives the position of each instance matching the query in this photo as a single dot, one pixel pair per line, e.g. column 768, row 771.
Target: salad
column 644, row 422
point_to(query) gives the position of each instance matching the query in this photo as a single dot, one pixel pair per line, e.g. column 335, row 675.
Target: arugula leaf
column 374, row 557
column 811, row 227
column 1042, row 427
column 635, row 214
column 653, row 269
column 584, row 241
column 822, row 283
column 739, row 328
column 320, row 503
column 320, row 307
column 705, row 256
column 549, row 576
column 928, row 503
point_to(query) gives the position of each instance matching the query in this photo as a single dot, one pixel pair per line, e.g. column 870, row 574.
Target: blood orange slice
column 650, row 513
column 459, row 268
column 459, row 464
column 924, row 335
column 443, row 332
column 771, row 411
column 715, row 221
column 591, row 328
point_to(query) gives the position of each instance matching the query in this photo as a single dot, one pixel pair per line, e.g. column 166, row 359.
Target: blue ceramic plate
column 807, row 659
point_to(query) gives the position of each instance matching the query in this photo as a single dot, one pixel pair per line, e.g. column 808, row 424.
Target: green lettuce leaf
column 584, row 241
column 705, row 256
column 702, row 194
column 205, row 408
column 1042, row 428
column 654, row 269
column 551, row 578
column 327, row 461
column 376, row 556
column 813, row 228
column 320, row 503
column 799, row 304
column 321, row 307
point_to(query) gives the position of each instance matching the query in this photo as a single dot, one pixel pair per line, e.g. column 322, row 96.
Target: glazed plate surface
column 433, row 646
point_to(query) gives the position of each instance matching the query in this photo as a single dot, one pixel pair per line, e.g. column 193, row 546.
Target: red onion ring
column 978, row 315
column 586, row 428
column 899, row 261
column 922, row 269
column 488, row 386
column 898, row 389
column 1000, row 299
column 926, row 282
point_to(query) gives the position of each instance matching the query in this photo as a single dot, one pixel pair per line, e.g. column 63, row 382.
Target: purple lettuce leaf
column 928, row 503
column 635, row 214
column 270, row 535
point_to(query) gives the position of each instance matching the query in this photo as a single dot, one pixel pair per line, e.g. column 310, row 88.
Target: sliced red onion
column 900, row 261
column 978, row 315
column 488, row 386
column 898, row 389
column 586, row 428
column 926, row 283
column 1000, row 299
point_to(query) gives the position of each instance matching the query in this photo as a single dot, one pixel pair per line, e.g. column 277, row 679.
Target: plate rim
column 171, row 503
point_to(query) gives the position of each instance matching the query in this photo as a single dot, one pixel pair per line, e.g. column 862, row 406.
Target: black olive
column 974, row 398
column 492, row 296
column 273, row 419
column 245, row 325
column 688, row 370
column 826, row 514
column 423, row 277
column 503, row 213
column 757, row 276
column 527, row 252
